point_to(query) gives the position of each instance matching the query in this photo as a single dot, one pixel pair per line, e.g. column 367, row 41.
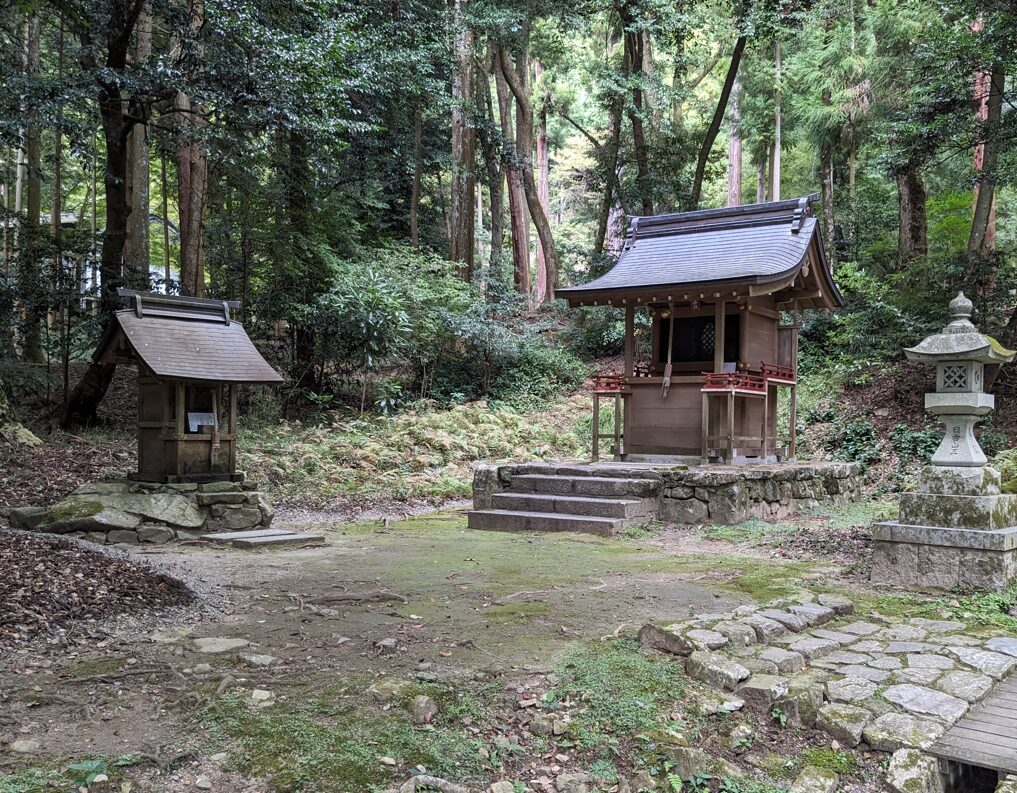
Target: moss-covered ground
column 494, row 627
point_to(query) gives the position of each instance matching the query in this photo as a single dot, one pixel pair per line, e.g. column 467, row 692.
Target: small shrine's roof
column 752, row 245
column 182, row 338
column 960, row 340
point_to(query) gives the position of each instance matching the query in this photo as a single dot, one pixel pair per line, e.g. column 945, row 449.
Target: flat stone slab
column 996, row 665
column 784, row 660
column 278, row 539
column 860, row 628
column 840, row 604
column 815, row 780
column 850, row 689
column 761, row 691
column 910, row 771
column 214, row 645
column 920, row 677
column 893, row 731
column 766, row 629
column 706, row 640
column 813, row 613
column 864, row 672
column 785, row 618
column 813, row 648
column 969, row 686
column 926, row 701
column 737, row 633
column 1003, row 644
column 229, row 536
column 885, row 662
column 835, row 636
column 930, row 661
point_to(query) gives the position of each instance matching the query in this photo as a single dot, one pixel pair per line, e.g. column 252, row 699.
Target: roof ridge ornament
column 801, row 212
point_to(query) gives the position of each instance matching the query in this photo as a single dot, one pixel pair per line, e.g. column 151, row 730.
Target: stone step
column 608, row 470
column 278, row 539
column 604, row 486
column 516, row 520
column 575, row 505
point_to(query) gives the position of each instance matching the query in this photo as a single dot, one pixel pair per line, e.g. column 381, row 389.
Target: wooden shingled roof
column 185, row 338
column 758, row 248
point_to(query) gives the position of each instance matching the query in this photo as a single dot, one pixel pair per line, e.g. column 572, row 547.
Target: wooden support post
column 181, row 412
column 630, row 341
column 743, row 333
column 730, row 427
column 704, row 453
column 792, row 441
column 618, row 450
column 766, row 423
column 596, row 427
column 719, row 323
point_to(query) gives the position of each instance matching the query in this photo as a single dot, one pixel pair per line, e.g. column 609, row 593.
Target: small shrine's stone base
column 958, row 530
column 605, row 497
column 130, row 512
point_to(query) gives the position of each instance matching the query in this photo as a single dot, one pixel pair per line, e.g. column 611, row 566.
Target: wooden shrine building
column 191, row 357
column 715, row 284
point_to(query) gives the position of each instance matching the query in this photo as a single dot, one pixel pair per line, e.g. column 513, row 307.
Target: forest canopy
column 394, row 190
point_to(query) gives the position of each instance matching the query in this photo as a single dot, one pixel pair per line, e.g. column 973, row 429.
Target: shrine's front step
column 594, row 486
column 644, row 508
column 517, row 520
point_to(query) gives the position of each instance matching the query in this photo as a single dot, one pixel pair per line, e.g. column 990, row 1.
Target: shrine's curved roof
column 748, row 245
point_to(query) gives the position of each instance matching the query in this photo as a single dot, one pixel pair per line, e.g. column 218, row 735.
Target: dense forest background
column 394, row 189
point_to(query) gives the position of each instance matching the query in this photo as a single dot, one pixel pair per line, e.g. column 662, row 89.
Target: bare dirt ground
column 469, row 605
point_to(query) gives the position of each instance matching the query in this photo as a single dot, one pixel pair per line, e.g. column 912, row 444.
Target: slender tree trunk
column 543, row 191
column 84, row 400
column 982, row 238
column 714, row 128
column 518, row 223
column 30, row 278
column 912, row 239
column 495, row 175
column 634, row 59
column 775, row 193
column 524, row 131
column 136, row 248
column 191, row 187
column 607, row 203
column 463, row 199
column 734, row 151
column 167, row 269
column 826, row 165
column 761, row 182
column 418, row 170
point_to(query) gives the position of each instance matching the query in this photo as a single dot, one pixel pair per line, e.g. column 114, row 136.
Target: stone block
column 486, row 482
column 668, row 641
column 220, row 487
column 943, row 480
column 843, row 722
column 894, row 563
column 683, row 511
column 727, row 504
column 960, row 512
column 207, row 499
column 813, row 613
column 850, row 689
column 923, row 701
column 766, row 629
column 815, row 780
column 785, row 618
column 738, row 633
column 992, row 571
column 715, row 669
column 996, row 665
column 939, row 566
column 893, row 731
column 122, row 536
column 813, row 648
column 155, row 533
column 969, row 686
column 760, row 692
column 239, row 518
column 912, row 771
column 706, row 640
column 785, row 661
column 688, row 763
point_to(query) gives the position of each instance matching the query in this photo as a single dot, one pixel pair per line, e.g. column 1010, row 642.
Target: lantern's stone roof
column 750, row 246
column 185, row 339
column 960, row 340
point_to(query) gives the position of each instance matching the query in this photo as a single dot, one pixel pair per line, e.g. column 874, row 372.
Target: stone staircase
column 555, row 497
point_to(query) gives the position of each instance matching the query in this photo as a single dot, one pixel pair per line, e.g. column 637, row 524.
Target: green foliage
column 915, row 445
column 327, row 745
column 853, row 440
column 836, row 760
column 750, row 532
column 977, row 610
column 624, row 692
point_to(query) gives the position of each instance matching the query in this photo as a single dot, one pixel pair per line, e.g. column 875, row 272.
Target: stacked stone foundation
column 129, row 512
column 958, row 530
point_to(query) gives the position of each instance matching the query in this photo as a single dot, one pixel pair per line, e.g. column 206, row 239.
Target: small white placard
column 195, row 420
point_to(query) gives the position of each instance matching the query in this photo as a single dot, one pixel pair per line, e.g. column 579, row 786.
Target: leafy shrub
column 915, row 445
column 853, row 440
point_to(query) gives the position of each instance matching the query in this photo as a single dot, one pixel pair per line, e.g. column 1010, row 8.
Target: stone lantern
column 957, row 529
column 963, row 358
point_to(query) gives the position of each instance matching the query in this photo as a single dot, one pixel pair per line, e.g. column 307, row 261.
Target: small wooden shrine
column 191, row 358
column 715, row 283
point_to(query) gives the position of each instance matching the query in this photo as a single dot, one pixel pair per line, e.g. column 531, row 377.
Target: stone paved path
column 886, row 683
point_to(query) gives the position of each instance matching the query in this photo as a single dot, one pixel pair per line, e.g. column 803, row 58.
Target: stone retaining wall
column 731, row 494
column 124, row 511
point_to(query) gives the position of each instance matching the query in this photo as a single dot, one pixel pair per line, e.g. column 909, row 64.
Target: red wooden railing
column 772, row 371
column 607, row 382
column 733, row 381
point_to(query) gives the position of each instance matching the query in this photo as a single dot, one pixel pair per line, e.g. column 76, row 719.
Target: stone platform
column 605, row 497
column 125, row 511
column 957, row 530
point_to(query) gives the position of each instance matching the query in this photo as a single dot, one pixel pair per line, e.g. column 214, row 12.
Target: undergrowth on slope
column 418, row 455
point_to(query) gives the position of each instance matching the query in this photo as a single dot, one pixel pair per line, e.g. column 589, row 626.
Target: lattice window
column 955, row 377
column 707, row 340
